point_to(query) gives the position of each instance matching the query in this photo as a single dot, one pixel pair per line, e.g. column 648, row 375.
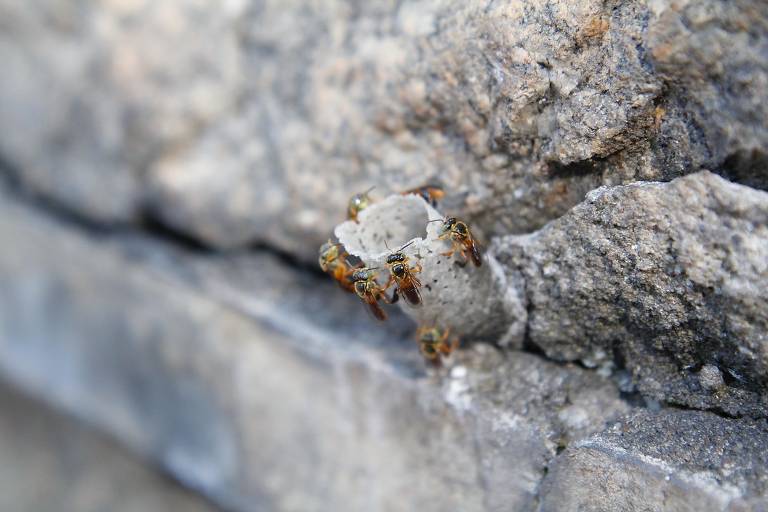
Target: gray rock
column 711, row 57
column 106, row 89
column 268, row 389
column 56, row 464
column 669, row 280
column 669, row 461
column 247, row 122
column 519, row 109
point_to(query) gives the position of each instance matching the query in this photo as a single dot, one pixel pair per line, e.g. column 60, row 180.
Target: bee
column 358, row 203
column 462, row 240
column 370, row 292
column 433, row 343
column 402, row 274
column 430, row 193
column 332, row 260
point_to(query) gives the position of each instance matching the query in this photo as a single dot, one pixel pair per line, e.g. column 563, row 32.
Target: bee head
column 396, row 257
column 329, row 252
column 447, row 225
column 429, row 336
column 359, row 202
column 428, row 350
column 363, row 274
column 460, row 228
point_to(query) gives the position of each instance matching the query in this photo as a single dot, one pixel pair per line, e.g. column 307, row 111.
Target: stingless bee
column 430, row 193
column 433, row 343
column 332, row 260
column 358, row 203
column 370, row 292
column 402, row 274
column 461, row 239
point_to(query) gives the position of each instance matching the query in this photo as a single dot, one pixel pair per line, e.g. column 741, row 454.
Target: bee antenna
column 406, row 245
column 435, row 220
column 386, row 245
column 369, row 190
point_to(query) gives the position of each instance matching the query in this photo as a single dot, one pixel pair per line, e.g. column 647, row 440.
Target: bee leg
column 449, row 253
column 416, row 268
column 393, row 300
column 465, row 256
column 390, row 282
column 447, row 349
column 461, row 264
column 431, row 357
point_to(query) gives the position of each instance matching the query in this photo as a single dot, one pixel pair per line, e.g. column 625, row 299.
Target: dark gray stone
column 668, row 461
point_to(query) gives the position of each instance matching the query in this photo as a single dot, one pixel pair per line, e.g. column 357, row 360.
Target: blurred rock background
column 169, row 168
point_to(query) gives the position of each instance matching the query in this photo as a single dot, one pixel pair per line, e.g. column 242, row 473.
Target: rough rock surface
column 249, row 123
column 667, row 280
column 520, row 108
column 681, row 460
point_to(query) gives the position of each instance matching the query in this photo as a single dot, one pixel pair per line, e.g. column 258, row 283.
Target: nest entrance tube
column 471, row 301
column 386, row 226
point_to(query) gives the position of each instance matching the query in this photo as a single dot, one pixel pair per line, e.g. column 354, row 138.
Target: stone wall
column 170, row 167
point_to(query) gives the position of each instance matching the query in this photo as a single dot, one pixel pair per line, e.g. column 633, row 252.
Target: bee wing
column 375, row 308
column 410, row 290
column 474, row 251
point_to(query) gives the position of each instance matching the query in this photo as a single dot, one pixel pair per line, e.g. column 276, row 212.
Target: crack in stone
column 153, row 228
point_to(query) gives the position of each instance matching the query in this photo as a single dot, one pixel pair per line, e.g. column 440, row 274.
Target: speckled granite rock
column 520, row 108
column 667, row 280
column 667, row 462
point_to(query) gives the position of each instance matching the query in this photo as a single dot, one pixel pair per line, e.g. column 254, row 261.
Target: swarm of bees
column 434, row 341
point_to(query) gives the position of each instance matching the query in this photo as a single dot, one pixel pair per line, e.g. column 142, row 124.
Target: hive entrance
column 386, row 226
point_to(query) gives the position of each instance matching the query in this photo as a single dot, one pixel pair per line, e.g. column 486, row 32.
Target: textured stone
column 251, row 122
column 107, row 87
column 519, row 108
column 711, row 57
column 670, row 461
column 55, row 464
column 266, row 388
column 669, row 280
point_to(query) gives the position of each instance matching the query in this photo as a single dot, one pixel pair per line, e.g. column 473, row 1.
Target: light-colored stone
column 56, row 464
column 663, row 279
column 252, row 121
